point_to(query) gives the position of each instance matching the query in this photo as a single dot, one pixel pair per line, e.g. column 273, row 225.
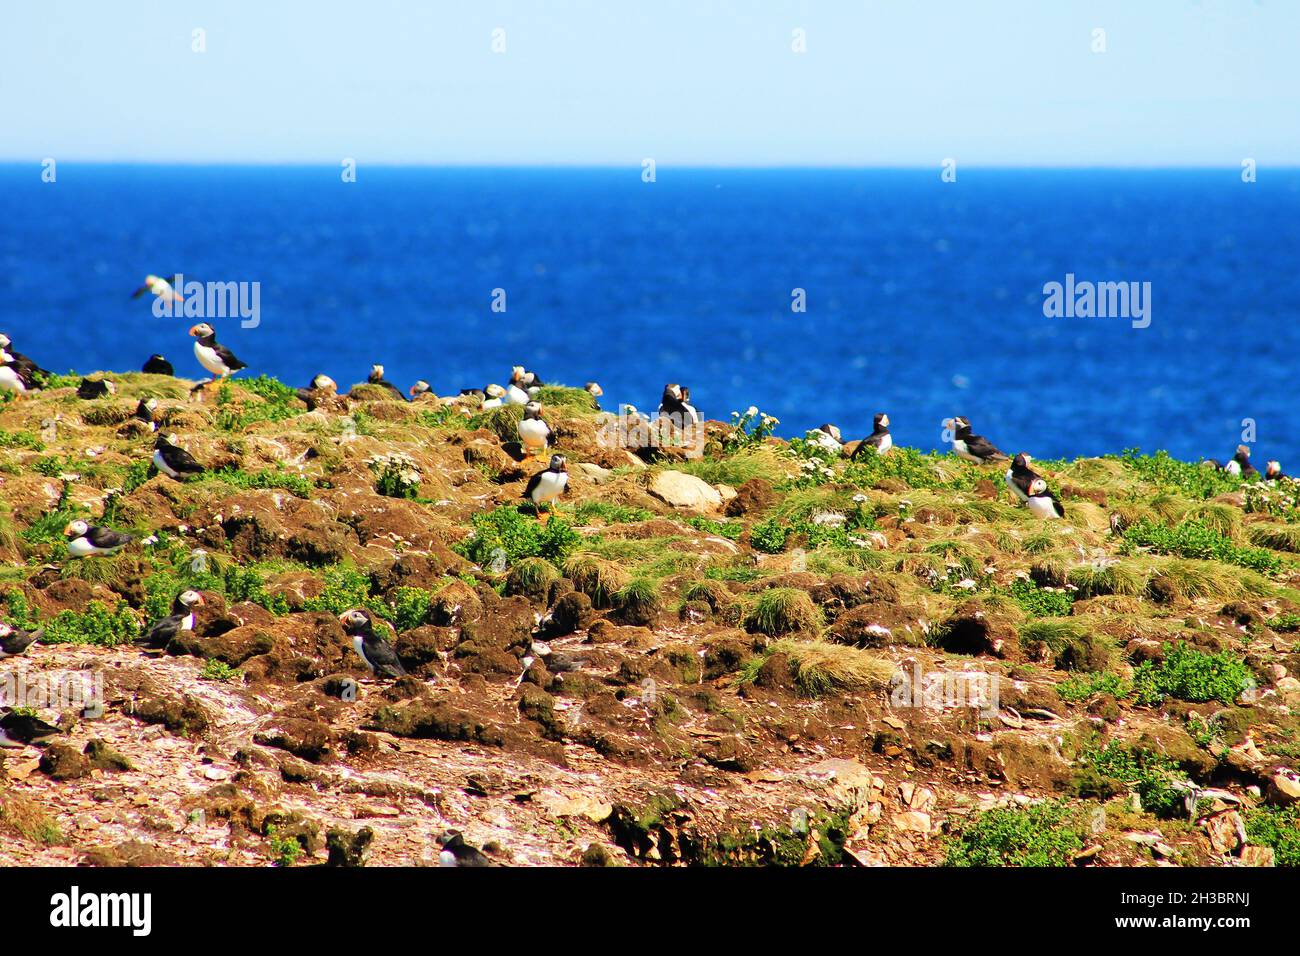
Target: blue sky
column 699, row 82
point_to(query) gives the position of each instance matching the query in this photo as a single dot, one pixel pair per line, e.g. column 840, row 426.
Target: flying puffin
column 18, row 358
column 174, row 461
column 1240, row 464
column 376, row 377
column 534, row 433
column 516, row 392
column 546, row 486
column 972, row 447
column 95, row 388
column 17, row 729
column 879, row 439
column 827, row 436
column 1020, row 476
column 85, row 540
column 181, row 619
column 157, row 365
column 14, row 642
column 1042, row 502
column 162, row 288
column 217, row 359
column 1273, row 471
column 421, row 387
column 375, row 650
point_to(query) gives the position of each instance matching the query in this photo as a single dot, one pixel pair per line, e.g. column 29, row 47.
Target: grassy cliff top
column 748, row 651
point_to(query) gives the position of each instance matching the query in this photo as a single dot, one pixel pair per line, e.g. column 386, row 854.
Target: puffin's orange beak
column 68, row 528
column 194, row 330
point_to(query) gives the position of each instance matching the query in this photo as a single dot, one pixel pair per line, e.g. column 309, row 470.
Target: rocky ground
column 745, row 652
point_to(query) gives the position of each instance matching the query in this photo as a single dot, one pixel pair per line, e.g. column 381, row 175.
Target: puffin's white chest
column 359, row 645
column 1043, row 506
column 1015, row 488
column 81, row 547
column 551, row 485
column 959, row 446
column 209, row 359
column 516, row 395
column 1232, row 468
column 161, row 464
column 187, row 622
column 534, row 432
column 886, row 443
column 10, row 381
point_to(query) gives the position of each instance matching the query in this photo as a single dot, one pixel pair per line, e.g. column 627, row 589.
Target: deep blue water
column 924, row 299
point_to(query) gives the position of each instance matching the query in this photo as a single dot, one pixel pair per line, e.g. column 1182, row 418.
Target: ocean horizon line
column 938, row 165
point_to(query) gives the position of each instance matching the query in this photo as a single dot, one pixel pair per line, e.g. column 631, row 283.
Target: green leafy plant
column 1043, row 834
column 1279, row 828
column 286, row 851
column 769, row 536
column 95, row 625
column 219, row 671
column 507, row 535
column 1193, row 539
column 1191, row 675
column 1153, row 776
column 396, row 475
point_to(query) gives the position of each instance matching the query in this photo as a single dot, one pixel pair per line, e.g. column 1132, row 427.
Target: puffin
column 595, row 391
column 85, row 540
column 534, row 433
column 162, row 288
column 18, row 358
column 532, row 381
column 14, row 642
column 17, row 729
column 827, row 436
column 90, row 389
column 546, row 486
column 970, row 446
column 376, row 377
column 17, row 377
column 676, row 405
column 421, row 387
column 495, row 397
column 1240, row 464
column 174, row 461
column 157, row 365
column 456, row 852
column 1042, row 502
column 1273, row 472
column 320, row 387
column 879, row 439
column 144, row 412
column 375, row 650
column 1020, row 476
column 217, row 359
column 181, row 619
column 516, row 392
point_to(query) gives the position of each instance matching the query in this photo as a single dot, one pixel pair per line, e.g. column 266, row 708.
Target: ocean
column 922, row 298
